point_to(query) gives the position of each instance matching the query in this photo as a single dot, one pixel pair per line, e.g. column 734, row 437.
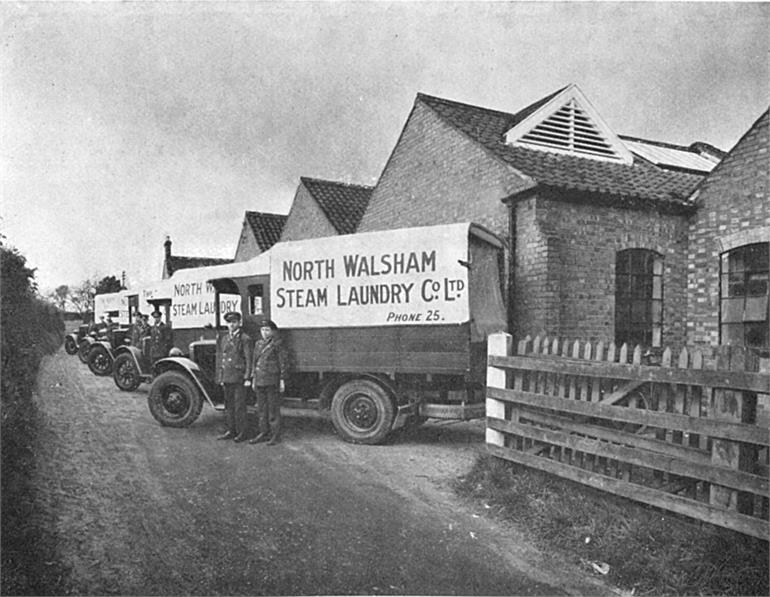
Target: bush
column 30, row 328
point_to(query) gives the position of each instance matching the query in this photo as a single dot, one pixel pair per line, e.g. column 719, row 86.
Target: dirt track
column 137, row 508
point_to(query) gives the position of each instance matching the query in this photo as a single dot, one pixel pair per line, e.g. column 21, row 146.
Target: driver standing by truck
column 234, row 375
column 269, row 369
column 160, row 337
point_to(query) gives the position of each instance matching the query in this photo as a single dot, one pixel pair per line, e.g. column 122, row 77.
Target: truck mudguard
column 193, row 371
column 136, row 354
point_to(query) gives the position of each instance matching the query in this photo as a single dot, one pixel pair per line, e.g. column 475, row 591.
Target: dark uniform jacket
column 160, row 341
column 138, row 332
column 234, row 358
column 271, row 362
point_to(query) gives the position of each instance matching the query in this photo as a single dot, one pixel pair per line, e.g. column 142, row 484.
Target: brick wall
column 734, row 210
column 565, row 266
column 306, row 218
column 436, row 175
column 247, row 244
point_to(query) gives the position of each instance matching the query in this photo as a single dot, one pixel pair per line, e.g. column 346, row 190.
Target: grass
column 649, row 551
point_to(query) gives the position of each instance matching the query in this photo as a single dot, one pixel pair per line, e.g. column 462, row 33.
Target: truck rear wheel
column 362, row 412
column 174, row 400
column 70, row 345
column 127, row 377
column 99, row 361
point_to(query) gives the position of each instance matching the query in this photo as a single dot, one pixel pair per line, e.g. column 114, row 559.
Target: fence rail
column 675, row 435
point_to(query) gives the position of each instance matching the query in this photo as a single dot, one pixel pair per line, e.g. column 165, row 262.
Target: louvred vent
column 570, row 130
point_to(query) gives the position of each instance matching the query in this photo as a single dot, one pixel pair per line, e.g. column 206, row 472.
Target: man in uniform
column 269, row 373
column 139, row 331
column 109, row 328
column 234, row 375
column 160, row 338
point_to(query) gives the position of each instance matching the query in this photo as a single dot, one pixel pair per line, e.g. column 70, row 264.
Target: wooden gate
column 676, row 435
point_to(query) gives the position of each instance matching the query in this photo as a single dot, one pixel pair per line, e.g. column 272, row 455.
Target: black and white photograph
column 385, row 298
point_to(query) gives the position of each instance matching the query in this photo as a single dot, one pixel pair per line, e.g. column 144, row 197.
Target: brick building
column 598, row 225
column 172, row 263
column 259, row 232
column 325, row 208
column 729, row 241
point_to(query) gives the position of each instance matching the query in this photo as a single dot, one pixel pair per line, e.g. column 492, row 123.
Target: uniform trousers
column 235, row 407
column 269, row 408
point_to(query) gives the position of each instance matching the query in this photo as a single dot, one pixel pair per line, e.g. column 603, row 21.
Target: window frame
column 741, row 295
column 639, row 297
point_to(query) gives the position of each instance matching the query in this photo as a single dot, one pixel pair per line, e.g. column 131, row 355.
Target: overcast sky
column 124, row 123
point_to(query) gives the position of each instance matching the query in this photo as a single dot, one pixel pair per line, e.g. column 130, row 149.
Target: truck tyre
column 125, row 373
column 174, row 400
column 362, row 412
column 83, row 351
column 99, row 361
column 70, row 346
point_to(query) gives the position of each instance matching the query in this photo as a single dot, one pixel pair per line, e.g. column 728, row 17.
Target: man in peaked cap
column 160, row 337
column 234, row 375
column 269, row 372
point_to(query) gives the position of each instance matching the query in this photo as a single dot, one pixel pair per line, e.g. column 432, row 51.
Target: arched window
column 638, row 297
column 743, row 309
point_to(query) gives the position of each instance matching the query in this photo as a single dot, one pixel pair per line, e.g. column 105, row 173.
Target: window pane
column 657, row 312
column 656, row 336
column 657, row 268
column 640, row 311
column 756, row 284
column 756, row 335
column 657, row 287
column 732, row 333
column 732, row 310
column 756, row 308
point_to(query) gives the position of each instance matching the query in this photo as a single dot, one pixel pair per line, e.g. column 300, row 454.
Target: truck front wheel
column 362, row 412
column 126, row 375
column 70, row 345
column 174, row 400
column 99, row 361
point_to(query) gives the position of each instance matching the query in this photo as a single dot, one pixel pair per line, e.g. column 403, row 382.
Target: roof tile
column 267, row 227
column 343, row 204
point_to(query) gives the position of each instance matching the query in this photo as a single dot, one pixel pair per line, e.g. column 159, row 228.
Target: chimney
column 167, row 246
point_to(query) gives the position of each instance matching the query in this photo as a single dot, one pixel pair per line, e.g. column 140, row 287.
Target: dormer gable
column 569, row 124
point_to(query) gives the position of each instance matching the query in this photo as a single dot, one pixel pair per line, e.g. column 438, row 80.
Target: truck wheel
column 362, row 412
column 126, row 376
column 174, row 400
column 83, row 350
column 99, row 361
column 70, row 345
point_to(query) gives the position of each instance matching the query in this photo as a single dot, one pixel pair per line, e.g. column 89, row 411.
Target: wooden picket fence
column 676, row 435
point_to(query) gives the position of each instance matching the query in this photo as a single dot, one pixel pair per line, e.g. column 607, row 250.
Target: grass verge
column 649, row 551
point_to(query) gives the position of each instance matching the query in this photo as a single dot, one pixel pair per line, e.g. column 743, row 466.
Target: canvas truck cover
column 411, row 276
column 191, row 295
column 115, row 303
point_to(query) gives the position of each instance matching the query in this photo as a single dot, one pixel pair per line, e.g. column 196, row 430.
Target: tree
column 108, row 284
column 61, row 296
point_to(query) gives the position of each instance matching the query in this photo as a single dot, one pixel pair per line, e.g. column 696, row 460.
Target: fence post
column 498, row 344
column 736, row 406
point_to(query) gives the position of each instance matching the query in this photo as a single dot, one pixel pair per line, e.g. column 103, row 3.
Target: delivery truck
column 385, row 329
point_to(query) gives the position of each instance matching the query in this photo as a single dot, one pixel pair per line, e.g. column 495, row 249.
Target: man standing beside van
column 269, row 374
column 234, row 375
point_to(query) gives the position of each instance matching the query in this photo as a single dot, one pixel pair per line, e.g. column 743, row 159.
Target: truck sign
column 413, row 276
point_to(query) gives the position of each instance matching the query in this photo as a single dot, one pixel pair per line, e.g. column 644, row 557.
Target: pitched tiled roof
column 343, row 204
column 641, row 180
column 177, row 262
column 266, row 227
